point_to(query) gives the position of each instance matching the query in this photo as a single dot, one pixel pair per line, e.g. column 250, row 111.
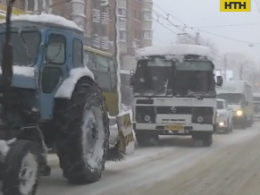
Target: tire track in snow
column 147, row 165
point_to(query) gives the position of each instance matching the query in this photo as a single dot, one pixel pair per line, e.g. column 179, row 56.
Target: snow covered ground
column 148, row 167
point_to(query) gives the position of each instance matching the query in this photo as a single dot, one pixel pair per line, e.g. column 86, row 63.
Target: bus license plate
column 176, row 127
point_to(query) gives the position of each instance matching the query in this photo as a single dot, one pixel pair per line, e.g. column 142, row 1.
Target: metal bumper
column 160, row 128
column 238, row 120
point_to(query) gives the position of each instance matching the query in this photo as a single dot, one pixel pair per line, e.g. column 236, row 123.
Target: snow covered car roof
column 46, row 19
column 174, row 50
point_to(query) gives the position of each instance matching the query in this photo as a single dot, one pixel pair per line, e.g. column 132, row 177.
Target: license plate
column 174, row 127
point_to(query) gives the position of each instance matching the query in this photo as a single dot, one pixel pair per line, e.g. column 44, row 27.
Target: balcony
column 104, row 18
column 96, row 17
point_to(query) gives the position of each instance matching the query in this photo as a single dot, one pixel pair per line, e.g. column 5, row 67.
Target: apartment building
column 134, row 23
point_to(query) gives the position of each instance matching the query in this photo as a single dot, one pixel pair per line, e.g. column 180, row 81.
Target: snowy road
column 230, row 167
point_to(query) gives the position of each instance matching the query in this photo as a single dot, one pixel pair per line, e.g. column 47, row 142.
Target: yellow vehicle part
column 111, row 102
column 15, row 11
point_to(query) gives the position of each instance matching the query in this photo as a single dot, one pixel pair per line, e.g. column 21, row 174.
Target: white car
column 224, row 117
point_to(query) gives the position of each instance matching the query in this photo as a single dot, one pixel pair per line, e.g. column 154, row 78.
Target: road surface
column 230, row 167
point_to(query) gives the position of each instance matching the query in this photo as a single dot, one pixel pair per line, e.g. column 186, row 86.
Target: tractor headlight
column 239, row 113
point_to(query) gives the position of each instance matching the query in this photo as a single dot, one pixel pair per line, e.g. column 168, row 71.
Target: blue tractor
column 49, row 99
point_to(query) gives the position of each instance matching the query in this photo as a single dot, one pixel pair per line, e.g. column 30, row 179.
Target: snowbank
column 174, row 50
column 26, row 71
column 46, row 18
column 67, row 87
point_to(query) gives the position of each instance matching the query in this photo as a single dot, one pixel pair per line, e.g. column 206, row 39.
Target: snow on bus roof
column 174, row 50
column 47, row 19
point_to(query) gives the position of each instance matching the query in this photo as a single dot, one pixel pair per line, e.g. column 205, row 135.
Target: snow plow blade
column 123, row 138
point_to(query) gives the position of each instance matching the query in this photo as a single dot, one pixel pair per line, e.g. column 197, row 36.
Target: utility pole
column 117, row 57
column 225, row 67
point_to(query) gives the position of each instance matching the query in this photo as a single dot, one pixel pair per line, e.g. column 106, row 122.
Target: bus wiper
column 165, row 86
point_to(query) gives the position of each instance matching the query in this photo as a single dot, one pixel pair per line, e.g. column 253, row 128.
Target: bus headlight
column 147, row 118
column 239, row 112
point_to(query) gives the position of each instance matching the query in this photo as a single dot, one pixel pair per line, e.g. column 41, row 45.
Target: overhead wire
column 176, row 26
column 185, row 26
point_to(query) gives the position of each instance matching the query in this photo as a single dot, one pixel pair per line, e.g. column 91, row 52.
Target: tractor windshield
column 25, row 47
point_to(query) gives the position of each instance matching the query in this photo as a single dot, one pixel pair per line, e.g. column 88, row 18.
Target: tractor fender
column 67, row 87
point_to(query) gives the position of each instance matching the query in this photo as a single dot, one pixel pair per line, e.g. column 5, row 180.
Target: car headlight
column 239, row 113
column 221, row 124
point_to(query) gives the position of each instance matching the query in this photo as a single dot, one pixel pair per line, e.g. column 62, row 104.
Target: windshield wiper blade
column 25, row 46
column 161, row 88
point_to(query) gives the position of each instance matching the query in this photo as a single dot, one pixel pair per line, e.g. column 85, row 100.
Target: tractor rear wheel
column 83, row 146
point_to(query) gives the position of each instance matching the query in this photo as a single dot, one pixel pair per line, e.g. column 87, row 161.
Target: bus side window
column 77, row 56
column 113, row 74
column 89, row 60
column 102, row 63
column 113, row 80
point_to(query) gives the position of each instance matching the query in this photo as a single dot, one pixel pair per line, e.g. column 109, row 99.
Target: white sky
column 198, row 13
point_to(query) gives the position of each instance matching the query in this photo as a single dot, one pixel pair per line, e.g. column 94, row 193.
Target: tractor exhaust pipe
column 7, row 50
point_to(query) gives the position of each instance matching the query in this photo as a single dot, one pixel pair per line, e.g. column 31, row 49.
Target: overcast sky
column 200, row 13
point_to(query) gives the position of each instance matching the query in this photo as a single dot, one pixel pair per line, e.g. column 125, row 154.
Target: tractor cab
column 47, row 49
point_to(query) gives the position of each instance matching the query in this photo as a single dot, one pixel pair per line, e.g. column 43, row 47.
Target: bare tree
column 242, row 66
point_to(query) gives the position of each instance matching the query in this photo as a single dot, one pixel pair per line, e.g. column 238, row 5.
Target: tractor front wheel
column 82, row 148
column 21, row 169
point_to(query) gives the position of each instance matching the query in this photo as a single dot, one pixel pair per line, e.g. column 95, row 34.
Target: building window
column 147, row 35
column 122, row 35
column 147, row 16
column 4, row 2
column 137, row 34
column 135, row 14
column 22, row 4
column 30, row 5
column 96, row 4
column 122, row 12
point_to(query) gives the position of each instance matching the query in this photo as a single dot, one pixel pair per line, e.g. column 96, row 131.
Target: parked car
column 224, row 117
